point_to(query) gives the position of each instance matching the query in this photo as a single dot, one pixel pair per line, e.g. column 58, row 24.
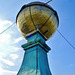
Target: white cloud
column 1, row 71
column 18, row 40
column 1, row 53
column 8, row 62
column 5, row 38
column 3, row 24
column 7, row 72
column 14, row 56
column 16, row 48
column 6, row 47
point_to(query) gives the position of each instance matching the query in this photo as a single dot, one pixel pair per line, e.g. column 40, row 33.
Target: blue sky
column 61, row 57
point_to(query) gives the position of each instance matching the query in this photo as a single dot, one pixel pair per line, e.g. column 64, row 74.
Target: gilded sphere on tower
column 37, row 16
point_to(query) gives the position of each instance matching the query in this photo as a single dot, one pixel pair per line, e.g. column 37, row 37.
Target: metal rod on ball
column 48, row 1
